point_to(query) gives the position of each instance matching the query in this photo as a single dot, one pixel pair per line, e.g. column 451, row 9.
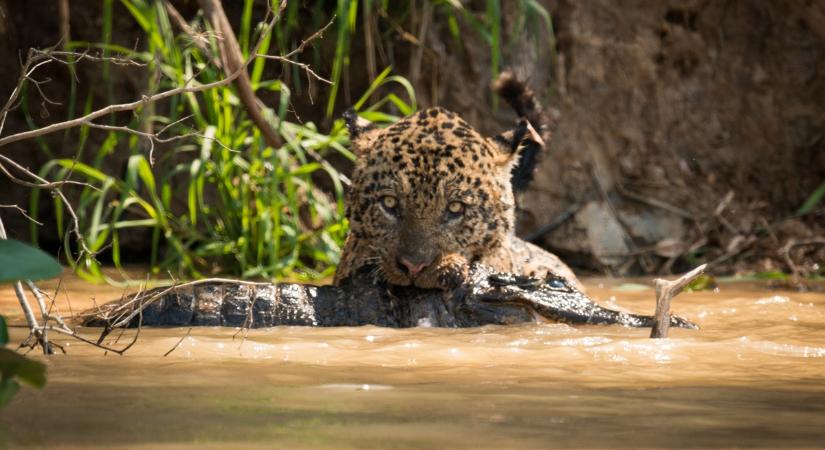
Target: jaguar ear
column 521, row 147
column 509, row 141
column 362, row 132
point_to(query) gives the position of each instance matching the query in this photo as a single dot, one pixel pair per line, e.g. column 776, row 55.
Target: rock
column 607, row 238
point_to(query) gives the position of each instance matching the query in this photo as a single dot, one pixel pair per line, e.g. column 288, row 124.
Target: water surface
column 753, row 376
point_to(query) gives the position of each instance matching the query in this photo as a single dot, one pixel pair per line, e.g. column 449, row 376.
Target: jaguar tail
column 523, row 101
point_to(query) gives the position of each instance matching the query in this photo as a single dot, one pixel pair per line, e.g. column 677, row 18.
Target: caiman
column 485, row 297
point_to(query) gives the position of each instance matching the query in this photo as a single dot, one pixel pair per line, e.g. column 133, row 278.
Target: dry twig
column 665, row 291
column 189, row 331
column 785, row 251
column 120, row 107
column 23, row 212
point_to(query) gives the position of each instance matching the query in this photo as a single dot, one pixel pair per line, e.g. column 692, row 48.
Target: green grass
column 223, row 201
column 813, row 200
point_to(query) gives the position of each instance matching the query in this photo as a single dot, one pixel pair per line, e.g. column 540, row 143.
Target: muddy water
column 754, row 376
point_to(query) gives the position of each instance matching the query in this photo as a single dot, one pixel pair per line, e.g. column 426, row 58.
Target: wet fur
column 427, row 161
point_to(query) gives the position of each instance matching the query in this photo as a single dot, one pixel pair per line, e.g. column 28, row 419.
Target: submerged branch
column 665, row 291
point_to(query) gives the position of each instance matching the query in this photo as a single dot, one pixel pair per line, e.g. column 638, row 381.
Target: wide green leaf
column 4, row 332
column 8, row 388
column 15, row 365
column 19, row 261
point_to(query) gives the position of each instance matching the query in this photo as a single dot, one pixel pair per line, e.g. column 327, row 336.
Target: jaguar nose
column 411, row 267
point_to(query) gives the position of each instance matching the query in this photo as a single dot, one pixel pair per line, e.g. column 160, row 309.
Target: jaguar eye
column 455, row 208
column 389, row 202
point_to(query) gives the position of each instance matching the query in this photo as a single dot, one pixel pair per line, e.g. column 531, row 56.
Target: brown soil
column 685, row 131
column 696, row 126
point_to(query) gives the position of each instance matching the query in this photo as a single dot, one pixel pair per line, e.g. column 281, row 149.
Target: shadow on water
column 429, row 416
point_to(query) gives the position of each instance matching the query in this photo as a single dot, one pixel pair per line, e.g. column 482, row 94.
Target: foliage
column 16, row 368
column 530, row 18
column 222, row 201
column 703, row 282
column 813, row 200
column 19, row 261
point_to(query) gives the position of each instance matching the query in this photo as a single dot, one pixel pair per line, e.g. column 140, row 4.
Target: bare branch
column 54, row 187
column 86, row 55
column 75, row 335
column 152, row 138
column 785, row 251
column 42, row 183
column 23, row 212
column 46, row 312
column 121, row 314
column 665, row 291
column 304, row 67
column 146, row 99
column 188, row 332
column 38, row 58
column 312, row 37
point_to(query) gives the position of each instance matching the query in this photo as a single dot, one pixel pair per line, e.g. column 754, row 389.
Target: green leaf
column 4, row 332
column 703, row 282
column 816, row 196
column 771, row 275
column 24, row 369
column 8, row 388
column 19, row 261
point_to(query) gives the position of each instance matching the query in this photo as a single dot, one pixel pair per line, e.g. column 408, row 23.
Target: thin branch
column 37, row 58
column 303, row 66
column 130, row 106
column 121, row 315
column 42, row 184
column 47, row 185
column 785, row 251
column 46, row 312
column 39, row 333
column 23, row 212
column 152, row 138
column 75, row 335
column 188, row 332
column 43, row 95
column 86, row 55
column 171, row 124
column 25, row 72
column 312, row 37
